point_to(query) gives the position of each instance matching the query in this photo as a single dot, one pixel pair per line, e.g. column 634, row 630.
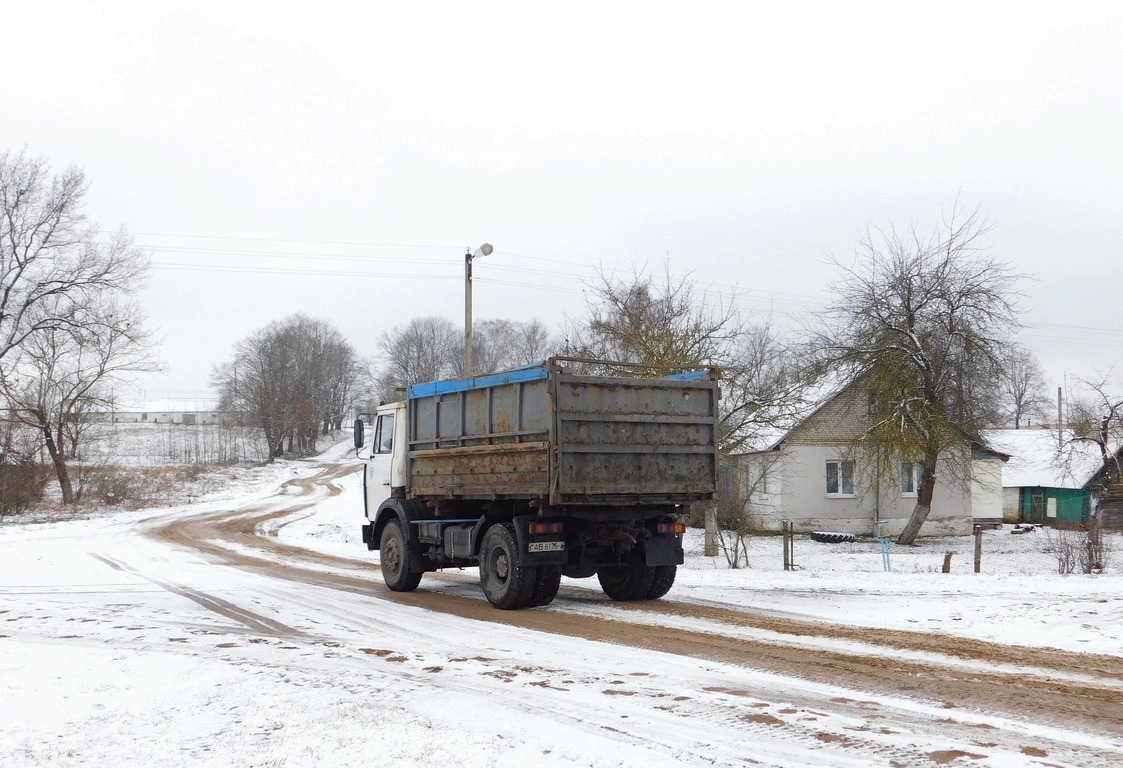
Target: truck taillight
column 547, row 528
column 670, row 528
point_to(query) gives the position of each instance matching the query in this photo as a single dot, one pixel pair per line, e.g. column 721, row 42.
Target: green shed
column 1061, row 505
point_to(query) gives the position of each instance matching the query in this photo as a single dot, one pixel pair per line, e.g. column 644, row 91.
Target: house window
column 840, row 477
column 910, row 477
column 872, row 409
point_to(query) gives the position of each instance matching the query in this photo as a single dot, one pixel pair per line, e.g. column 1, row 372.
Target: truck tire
column 662, row 582
column 630, row 581
column 507, row 583
column 395, row 561
column 545, row 585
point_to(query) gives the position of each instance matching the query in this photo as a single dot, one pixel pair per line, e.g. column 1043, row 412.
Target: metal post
column 789, row 545
column 468, row 315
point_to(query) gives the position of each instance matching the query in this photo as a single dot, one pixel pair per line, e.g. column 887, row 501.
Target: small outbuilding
column 1051, row 477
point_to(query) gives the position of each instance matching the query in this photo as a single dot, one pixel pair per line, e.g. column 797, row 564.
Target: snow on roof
column 1037, row 459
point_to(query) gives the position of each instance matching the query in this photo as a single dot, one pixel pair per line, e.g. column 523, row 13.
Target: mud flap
column 368, row 536
column 664, row 550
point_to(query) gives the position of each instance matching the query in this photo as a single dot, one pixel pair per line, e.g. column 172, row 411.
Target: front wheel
column 506, row 582
column 393, row 556
column 631, row 581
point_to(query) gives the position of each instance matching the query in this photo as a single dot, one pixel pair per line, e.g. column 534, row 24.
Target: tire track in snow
column 249, row 619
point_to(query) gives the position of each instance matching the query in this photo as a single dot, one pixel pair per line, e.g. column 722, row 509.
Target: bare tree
column 1096, row 419
column 928, row 319
column 671, row 322
column 1023, row 386
column 60, row 377
column 289, row 378
column 664, row 322
column 499, row 345
column 424, row 349
column 51, row 263
column 432, row 348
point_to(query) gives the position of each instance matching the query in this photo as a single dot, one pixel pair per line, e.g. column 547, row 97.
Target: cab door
column 381, row 465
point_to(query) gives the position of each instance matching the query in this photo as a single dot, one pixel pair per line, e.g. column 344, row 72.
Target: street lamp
column 483, row 250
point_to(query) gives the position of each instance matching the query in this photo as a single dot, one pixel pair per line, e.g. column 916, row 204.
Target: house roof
column 773, row 427
column 1037, row 459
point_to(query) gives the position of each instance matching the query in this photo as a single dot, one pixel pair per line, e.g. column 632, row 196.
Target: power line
column 304, row 242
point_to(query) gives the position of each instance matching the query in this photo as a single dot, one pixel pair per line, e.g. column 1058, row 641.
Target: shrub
column 21, row 485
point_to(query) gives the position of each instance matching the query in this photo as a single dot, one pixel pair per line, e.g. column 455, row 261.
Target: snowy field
column 118, row 647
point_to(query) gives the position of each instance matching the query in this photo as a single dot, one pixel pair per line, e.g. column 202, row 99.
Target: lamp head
column 483, row 250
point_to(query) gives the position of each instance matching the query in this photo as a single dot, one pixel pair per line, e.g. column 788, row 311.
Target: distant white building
column 194, row 411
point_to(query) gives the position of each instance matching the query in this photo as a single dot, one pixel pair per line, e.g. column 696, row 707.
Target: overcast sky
column 336, row 159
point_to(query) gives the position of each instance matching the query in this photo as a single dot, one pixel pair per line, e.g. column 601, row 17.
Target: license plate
column 546, row 546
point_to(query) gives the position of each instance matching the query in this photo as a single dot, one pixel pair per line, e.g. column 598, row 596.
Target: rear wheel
column 394, row 557
column 506, row 582
column 630, row 581
column 545, row 585
column 663, row 580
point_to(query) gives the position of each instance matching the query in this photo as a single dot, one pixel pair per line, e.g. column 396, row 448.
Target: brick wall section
column 842, row 420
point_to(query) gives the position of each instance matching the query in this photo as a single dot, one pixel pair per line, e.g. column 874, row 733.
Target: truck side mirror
column 359, row 433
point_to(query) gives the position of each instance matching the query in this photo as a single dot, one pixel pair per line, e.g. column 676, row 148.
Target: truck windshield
column 384, row 436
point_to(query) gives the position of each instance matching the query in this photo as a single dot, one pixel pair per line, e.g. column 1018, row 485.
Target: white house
column 808, row 472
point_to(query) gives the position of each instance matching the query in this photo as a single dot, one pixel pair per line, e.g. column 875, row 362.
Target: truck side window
column 384, row 441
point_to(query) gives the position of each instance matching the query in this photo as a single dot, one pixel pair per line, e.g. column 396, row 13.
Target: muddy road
column 961, row 678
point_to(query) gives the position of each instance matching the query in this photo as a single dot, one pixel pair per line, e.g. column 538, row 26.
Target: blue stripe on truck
column 533, row 372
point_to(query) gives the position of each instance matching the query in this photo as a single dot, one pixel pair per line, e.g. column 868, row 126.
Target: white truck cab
column 385, row 456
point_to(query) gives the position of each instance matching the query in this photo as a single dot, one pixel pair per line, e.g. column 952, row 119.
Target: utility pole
column 483, row 250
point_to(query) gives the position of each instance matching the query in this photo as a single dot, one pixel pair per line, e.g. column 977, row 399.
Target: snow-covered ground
column 117, row 647
column 1017, row 598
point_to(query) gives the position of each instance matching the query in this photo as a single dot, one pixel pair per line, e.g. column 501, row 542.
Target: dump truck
column 539, row 472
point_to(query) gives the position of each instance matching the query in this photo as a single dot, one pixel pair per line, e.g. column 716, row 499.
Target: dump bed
column 543, row 432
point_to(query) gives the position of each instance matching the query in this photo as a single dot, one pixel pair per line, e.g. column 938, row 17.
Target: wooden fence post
column 978, row 548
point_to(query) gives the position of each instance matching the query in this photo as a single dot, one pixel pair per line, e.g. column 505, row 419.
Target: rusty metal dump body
column 541, row 432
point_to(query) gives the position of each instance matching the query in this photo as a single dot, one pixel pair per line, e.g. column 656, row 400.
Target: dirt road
column 1036, row 690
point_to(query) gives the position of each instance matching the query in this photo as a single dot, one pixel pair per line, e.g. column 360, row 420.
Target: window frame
column 385, row 421
column 917, row 471
column 762, row 489
column 843, row 471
